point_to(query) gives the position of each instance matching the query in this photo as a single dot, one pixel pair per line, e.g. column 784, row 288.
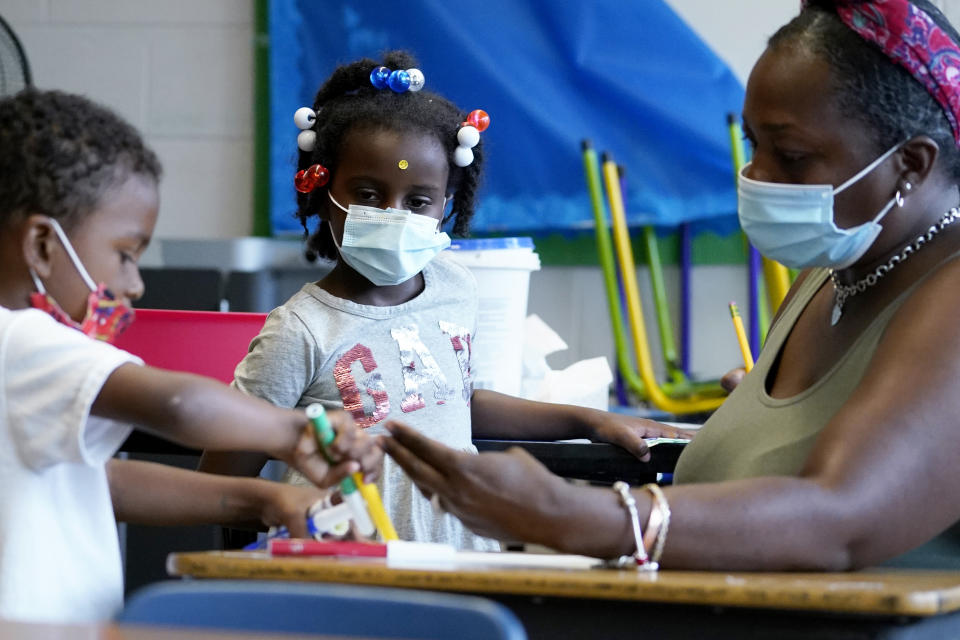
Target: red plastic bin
column 209, row 343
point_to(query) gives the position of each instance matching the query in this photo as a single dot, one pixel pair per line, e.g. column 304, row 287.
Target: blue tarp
column 630, row 76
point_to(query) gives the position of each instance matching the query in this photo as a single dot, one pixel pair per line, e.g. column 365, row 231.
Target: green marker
column 325, row 435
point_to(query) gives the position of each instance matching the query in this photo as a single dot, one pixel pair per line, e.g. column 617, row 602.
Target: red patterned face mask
column 105, row 318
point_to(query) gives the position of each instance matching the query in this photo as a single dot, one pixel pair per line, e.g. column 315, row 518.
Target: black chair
column 264, row 290
column 182, row 289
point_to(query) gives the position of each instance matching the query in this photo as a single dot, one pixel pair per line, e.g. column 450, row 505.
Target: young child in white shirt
column 78, row 204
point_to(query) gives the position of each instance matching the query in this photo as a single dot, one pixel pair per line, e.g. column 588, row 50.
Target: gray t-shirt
column 409, row 362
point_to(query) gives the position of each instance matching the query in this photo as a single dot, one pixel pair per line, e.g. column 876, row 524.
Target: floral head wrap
column 909, row 36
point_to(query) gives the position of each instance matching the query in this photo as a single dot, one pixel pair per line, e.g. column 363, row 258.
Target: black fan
column 14, row 68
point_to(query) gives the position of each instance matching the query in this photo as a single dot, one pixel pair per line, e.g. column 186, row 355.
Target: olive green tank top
column 753, row 434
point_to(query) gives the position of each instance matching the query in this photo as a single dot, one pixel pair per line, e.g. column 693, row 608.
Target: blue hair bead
column 399, row 81
column 379, row 77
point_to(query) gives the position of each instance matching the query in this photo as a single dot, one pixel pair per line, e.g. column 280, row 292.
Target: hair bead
column 307, row 140
column 463, row 156
column 310, row 178
column 468, row 136
column 399, row 81
column 304, row 117
column 379, row 77
column 416, row 79
column 479, row 119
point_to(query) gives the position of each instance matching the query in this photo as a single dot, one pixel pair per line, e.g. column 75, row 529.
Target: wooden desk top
column 893, row 593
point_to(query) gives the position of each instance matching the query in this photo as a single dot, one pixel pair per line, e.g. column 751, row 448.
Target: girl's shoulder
column 311, row 301
column 447, row 269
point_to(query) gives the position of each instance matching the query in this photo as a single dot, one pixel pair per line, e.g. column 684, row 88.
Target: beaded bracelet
column 662, row 508
column 639, row 557
column 653, row 528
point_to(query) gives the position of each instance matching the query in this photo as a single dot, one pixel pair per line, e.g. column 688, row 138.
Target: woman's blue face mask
column 794, row 223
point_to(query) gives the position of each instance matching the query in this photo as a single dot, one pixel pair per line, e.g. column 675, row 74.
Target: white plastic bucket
column 502, row 268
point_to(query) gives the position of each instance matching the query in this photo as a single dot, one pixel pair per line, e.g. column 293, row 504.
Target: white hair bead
column 462, row 156
column 468, row 136
column 416, row 79
column 304, row 117
column 307, row 140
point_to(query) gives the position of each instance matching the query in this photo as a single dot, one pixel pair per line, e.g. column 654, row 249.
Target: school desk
column 10, row 630
column 594, row 461
column 591, row 461
column 607, row 603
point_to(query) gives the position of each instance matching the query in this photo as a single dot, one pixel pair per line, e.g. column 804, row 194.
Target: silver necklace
column 843, row 292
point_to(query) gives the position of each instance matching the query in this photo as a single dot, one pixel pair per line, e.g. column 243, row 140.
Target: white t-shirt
column 59, row 553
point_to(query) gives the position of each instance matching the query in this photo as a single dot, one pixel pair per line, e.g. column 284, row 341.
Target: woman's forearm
column 756, row 524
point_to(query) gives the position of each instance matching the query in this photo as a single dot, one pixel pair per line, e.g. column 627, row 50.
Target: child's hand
column 287, row 505
column 352, row 450
column 629, row 432
column 731, row 379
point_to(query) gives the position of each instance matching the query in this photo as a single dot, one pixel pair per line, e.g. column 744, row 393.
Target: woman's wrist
column 593, row 522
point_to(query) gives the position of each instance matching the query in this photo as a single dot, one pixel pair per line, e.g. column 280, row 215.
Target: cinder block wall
column 182, row 72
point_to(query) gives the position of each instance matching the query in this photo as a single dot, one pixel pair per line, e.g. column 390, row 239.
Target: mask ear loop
column 334, row 201
column 37, row 282
column 867, row 169
column 333, row 237
column 73, row 255
column 896, row 200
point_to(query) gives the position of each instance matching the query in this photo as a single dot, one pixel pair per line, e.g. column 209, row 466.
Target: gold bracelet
column 639, row 557
column 661, row 506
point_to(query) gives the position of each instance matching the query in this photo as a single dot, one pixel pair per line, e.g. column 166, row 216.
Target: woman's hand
column 352, row 450
column 629, row 432
column 508, row 496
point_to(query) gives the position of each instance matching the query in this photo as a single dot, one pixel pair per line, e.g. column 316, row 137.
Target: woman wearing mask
column 838, row 450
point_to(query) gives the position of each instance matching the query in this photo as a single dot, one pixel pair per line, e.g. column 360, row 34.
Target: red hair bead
column 479, row 119
column 310, row 178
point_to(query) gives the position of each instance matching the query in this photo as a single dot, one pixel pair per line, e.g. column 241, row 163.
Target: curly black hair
column 59, row 154
column 347, row 101
column 868, row 85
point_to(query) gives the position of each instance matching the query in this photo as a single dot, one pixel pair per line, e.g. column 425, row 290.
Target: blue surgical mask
column 793, row 223
column 388, row 246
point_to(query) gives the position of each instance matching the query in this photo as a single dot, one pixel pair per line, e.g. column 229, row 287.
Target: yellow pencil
column 741, row 337
column 375, row 508
column 371, row 497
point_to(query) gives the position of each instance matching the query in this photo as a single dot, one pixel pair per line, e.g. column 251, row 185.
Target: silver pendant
column 835, row 316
